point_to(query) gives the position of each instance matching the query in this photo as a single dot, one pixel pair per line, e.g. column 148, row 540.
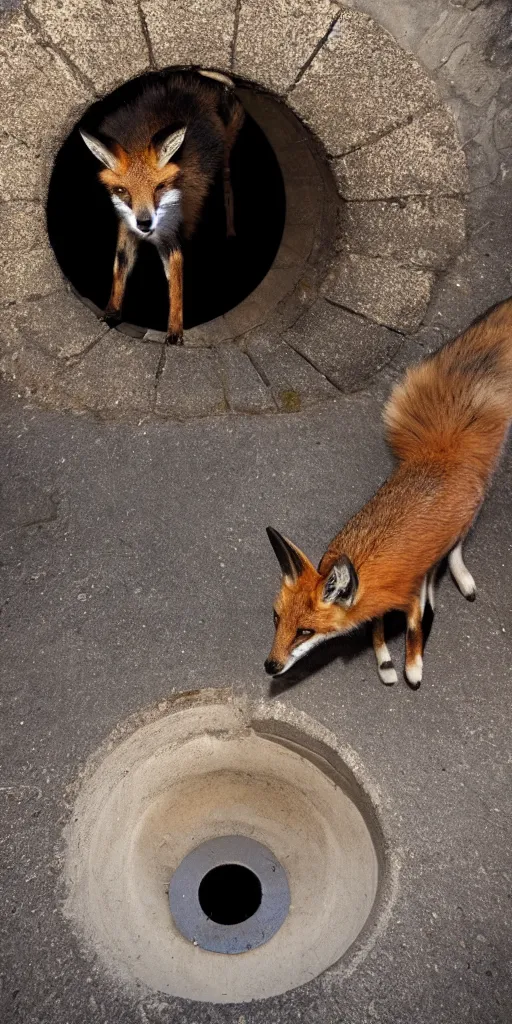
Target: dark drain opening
column 219, row 272
column 230, row 894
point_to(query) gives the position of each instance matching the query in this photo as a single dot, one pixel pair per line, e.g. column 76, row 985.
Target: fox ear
column 341, row 584
column 170, row 146
column 292, row 561
column 101, row 152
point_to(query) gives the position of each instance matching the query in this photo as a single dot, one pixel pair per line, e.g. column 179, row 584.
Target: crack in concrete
column 368, row 319
column 146, row 34
column 158, row 373
column 314, row 367
column 313, row 54
column 41, row 521
column 410, row 119
column 41, row 37
column 261, row 374
column 234, row 40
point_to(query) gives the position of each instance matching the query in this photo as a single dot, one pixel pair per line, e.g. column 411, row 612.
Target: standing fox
column 446, row 423
column 160, row 155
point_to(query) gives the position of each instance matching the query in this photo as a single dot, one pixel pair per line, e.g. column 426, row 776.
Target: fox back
column 446, row 423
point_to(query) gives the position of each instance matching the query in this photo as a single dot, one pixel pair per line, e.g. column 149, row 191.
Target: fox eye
column 160, row 188
column 304, row 632
column 118, row 190
column 276, row 619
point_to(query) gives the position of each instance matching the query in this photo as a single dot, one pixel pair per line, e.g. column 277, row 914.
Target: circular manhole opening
column 219, row 271
column 229, row 895
column 219, row 828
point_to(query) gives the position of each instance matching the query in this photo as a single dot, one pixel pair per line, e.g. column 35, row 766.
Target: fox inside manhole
column 225, row 852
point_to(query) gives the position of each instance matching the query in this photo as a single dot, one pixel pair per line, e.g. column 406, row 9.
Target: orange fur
column 446, row 423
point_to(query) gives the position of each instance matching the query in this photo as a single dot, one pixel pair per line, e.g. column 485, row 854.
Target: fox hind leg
column 414, row 643
column 385, row 667
column 431, row 580
column 461, row 575
column 126, row 253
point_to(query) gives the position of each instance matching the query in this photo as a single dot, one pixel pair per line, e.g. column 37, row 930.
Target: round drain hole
column 229, row 895
column 213, row 826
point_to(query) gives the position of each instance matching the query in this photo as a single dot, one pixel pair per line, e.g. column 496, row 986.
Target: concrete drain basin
column 223, row 851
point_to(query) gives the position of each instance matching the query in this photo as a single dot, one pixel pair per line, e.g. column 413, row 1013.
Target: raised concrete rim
column 392, row 146
column 287, row 727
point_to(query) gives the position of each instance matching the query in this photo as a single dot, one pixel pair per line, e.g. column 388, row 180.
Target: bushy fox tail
column 456, row 405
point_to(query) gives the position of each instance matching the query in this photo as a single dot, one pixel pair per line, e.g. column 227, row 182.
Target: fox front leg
column 173, row 266
column 126, row 253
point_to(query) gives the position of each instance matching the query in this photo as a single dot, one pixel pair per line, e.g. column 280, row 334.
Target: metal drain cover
column 243, row 934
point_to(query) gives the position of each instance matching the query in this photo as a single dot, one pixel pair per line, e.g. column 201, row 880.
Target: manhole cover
column 220, row 828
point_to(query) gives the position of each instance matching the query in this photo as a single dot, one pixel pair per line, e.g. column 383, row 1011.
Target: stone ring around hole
column 190, row 918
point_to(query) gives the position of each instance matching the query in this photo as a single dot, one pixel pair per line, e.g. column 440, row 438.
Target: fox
column 160, row 155
column 446, row 423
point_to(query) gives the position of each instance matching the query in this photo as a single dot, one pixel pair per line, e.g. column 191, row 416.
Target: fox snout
column 144, row 221
column 273, row 667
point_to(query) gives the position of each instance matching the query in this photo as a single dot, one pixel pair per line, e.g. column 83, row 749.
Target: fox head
column 143, row 185
column 309, row 608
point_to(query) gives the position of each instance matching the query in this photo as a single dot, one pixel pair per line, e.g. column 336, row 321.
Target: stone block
column 191, row 32
column 58, row 324
column 424, row 231
column 275, row 38
column 255, row 309
column 40, row 95
column 190, row 384
column 21, row 170
column 293, row 381
column 422, row 158
column 29, row 273
column 28, row 370
column 22, row 226
column 346, row 348
column 381, row 290
column 105, row 41
column 213, row 332
column 116, row 376
column 244, row 389
column 359, row 85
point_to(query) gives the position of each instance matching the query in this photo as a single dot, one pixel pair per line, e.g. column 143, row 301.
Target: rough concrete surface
column 38, row 88
column 382, row 290
column 276, row 56
column 56, row 323
column 135, row 566
column 420, row 230
column 421, row 158
column 366, row 83
column 190, row 32
column 104, row 41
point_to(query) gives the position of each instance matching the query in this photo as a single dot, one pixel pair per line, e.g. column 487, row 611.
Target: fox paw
column 112, row 319
column 174, row 339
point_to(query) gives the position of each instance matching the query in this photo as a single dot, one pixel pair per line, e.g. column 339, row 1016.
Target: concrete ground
column 136, row 565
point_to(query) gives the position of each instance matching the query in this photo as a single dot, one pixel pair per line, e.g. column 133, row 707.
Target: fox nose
column 144, row 224
column 272, row 667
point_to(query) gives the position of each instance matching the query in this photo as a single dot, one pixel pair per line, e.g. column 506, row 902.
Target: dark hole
column 230, row 894
column 218, row 272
